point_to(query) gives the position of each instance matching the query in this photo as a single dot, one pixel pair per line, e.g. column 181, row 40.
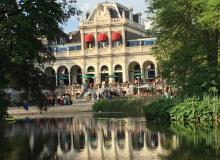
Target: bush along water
column 128, row 106
column 199, row 110
column 159, row 110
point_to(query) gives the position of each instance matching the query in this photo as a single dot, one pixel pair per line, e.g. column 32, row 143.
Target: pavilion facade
column 110, row 45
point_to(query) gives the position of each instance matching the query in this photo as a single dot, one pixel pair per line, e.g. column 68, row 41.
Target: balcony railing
column 109, row 22
column 138, row 49
column 105, row 51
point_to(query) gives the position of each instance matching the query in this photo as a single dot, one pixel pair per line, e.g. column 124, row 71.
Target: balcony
column 138, row 49
column 113, row 21
column 104, row 51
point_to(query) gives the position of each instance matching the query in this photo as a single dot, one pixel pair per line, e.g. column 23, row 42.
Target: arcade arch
column 76, row 75
column 62, row 76
column 118, row 73
column 134, row 70
column 104, row 74
column 148, row 71
column 90, row 74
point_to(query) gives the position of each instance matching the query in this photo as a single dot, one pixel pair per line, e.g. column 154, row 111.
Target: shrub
column 129, row 106
column 159, row 110
column 205, row 109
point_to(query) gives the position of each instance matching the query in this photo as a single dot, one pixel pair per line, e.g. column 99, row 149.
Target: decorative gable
column 102, row 12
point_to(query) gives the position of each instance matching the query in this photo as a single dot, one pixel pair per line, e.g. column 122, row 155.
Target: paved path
column 34, row 112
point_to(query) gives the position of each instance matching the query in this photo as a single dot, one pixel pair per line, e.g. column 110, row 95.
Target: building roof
column 108, row 9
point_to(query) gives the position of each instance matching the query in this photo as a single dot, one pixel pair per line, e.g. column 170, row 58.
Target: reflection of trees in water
column 79, row 140
column 166, row 141
column 107, row 137
column 93, row 137
column 199, row 143
column 4, row 142
column 65, row 141
column 121, row 138
column 18, row 147
column 137, row 139
column 187, row 151
column 151, row 140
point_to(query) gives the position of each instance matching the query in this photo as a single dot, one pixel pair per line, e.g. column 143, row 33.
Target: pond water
column 82, row 136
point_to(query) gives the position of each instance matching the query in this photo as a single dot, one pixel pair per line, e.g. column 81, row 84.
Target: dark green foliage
column 187, row 48
column 128, row 106
column 197, row 110
column 25, row 26
column 159, row 110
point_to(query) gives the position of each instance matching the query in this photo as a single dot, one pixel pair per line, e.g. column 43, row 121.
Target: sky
column 88, row 5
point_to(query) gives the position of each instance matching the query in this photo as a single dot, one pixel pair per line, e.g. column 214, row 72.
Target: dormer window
column 62, row 40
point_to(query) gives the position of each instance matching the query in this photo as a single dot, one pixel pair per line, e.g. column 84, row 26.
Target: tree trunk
column 212, row 48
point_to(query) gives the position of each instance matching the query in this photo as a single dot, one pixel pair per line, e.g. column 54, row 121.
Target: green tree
column 188, row 42
column 24, row 25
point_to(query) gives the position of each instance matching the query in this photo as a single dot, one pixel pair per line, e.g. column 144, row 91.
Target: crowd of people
column 53, row 99
column 65, row 95
column 89, row 91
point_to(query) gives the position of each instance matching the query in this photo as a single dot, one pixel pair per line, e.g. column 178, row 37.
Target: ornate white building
column 110, row 45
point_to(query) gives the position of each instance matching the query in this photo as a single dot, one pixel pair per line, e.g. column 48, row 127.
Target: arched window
column 91, row 69
column 104, row 68
column 118, row 67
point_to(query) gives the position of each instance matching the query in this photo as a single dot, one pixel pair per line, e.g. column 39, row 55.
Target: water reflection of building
column 124, row 139
column 87, row 138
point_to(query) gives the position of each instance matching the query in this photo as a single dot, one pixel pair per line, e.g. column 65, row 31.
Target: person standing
column 26, row 105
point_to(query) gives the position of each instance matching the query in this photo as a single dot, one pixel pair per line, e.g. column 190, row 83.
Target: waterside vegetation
column 199, row 110
column 128, row 106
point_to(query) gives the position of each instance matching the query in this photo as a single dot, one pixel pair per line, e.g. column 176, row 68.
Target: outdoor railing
column 109, row 21
column 138, row 49
column 104, row 51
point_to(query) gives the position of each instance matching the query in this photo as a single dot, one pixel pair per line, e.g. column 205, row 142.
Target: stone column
column 97, row 73
column 130, row 14
column 110, row 39
column 143, row 75
column 96, row 39
column 125, row 71
column 123, row 37
column 84, row 71
column 111, row 79
column 69, row 78
column 156, row 72
column 82, row 40
column 56, row 77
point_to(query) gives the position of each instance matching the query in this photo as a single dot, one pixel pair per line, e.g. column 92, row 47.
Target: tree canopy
column 24, row 25
column 187, row 48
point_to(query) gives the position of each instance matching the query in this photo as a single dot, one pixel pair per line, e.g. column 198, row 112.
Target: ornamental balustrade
column 110, row 21
column 104, row 51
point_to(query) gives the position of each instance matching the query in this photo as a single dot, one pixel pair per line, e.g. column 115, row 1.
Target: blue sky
column 88, row 5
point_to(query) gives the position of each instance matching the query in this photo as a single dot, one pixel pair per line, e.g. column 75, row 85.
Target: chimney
column 87, row 15
column 130, row 13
